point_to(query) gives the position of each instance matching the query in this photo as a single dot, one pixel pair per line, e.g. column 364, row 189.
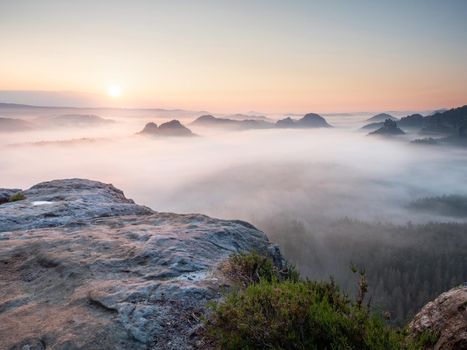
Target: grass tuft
column 17, row 197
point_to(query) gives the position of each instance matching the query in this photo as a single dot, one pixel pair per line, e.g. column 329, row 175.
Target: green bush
column 289, row 313
column 17, row 197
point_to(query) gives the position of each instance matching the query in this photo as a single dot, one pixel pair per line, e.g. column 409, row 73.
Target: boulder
column 446, row 318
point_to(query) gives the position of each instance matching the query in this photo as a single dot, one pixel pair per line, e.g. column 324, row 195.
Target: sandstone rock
column 446, row 316
column 87, row 268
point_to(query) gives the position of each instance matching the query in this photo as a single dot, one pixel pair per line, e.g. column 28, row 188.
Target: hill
column 389, row 128
column 381, row 118
column 309, row 121
column 11, row 124
column 73, row 120
column 172, row 128
column 232, row 124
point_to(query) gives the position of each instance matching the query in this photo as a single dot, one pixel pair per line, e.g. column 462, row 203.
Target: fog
column 250, row 175
column 327, row 197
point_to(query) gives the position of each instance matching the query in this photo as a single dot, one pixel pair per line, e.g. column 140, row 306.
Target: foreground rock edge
column 83, row 267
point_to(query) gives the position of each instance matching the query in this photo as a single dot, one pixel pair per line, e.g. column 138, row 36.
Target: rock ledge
column 83, row 267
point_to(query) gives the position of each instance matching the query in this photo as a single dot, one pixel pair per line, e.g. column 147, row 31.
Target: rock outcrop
column 446, row 319
column 83, row 267
column 172, row 128
column 389, row 128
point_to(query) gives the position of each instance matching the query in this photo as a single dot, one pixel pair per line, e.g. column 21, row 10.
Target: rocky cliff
column 83, row 267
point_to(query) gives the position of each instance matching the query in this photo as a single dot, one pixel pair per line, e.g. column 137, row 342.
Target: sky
column 234, row 56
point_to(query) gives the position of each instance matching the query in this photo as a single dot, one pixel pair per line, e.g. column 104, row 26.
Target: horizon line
column 13, row 104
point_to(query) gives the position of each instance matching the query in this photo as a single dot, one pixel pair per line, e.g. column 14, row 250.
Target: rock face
column 83, row 267
column 172, row 128
column 389, row 128
column 446, row 316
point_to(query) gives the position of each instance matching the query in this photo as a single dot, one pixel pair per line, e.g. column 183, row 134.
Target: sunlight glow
column 114, row 90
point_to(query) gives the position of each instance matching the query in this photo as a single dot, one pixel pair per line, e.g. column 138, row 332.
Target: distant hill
column 450, row 124
column 240, row 116
column 172, row 128
column 372, row 126
column 73, row 120
column 389, row 128
column 412, row 121
column 285, row 123
column 381, row 118
column 310, row 120
column 11, row 124
column 225, row 123
column 31, row 112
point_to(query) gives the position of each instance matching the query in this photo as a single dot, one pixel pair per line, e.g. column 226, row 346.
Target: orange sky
column 266, row 56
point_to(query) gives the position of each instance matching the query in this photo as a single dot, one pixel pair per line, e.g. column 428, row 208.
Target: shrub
column 17, row 197
column 248, row 268
column 290, row 313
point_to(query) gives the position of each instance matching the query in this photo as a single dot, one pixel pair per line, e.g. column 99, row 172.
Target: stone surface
column 445, row 316
column 82, row 267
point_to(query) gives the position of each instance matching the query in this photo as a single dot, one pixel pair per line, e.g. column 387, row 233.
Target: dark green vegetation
column 17, row 197
column 448, row 205
column 406, row 265
column 281, row 311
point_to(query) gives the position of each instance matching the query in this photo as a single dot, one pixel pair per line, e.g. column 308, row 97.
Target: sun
column 114, row 90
